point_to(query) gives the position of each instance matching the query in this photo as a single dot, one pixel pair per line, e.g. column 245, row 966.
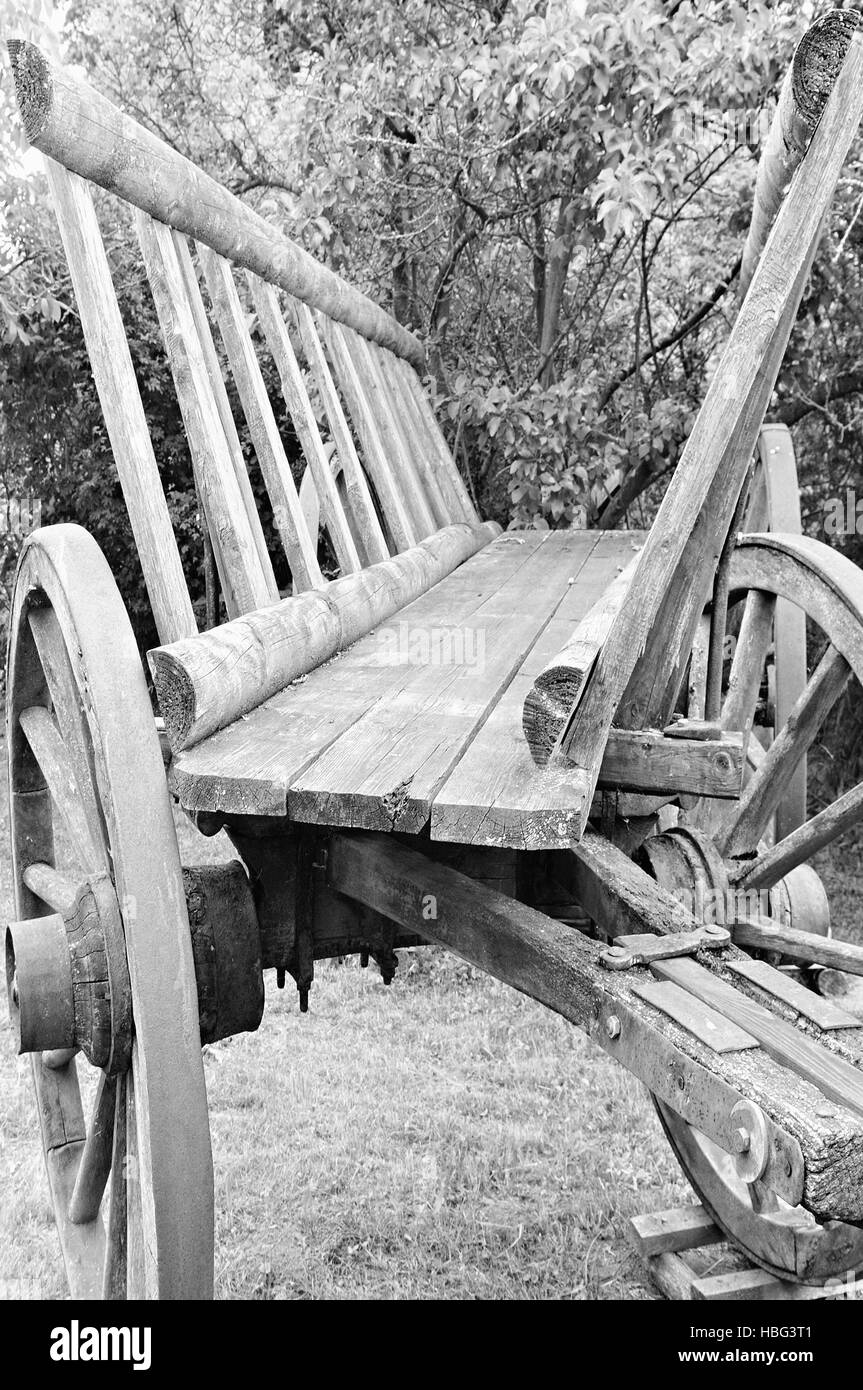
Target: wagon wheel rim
column 132, row 1189
column 773, row 570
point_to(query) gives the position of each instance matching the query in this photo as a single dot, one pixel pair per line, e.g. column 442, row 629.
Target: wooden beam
column 773, row 864
column 209, row 681
column 68, row 120
column 644, row 760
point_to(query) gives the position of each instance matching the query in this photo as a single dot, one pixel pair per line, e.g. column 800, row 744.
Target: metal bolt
column 825, row 1111
column 740, row 1141
column 612, row 1026
column 714, row 931
column 616, row 951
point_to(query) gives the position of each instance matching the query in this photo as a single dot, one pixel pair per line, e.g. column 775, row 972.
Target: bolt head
column 612, row 1026
column 616, row 951
column 740, row 1141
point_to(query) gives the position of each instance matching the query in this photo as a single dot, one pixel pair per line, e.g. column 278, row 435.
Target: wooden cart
column 533, row 748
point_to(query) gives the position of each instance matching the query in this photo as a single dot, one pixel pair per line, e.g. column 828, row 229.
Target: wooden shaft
column 208, row 682
column 95, row 1165
column 807, row 84
column 67, row 119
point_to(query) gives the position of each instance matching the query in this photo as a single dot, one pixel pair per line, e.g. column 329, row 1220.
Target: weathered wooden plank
column 360, row 502
column 496, row 795
column 810, row 1005
column 249, row 766
column 207, row 682
column 384, row 772
column 66, row 119
column 683, row 1228
column 835, row 1078
column 393, row 502
column 121, row 404
column 223, row 406
column 719, row 1033
column 275, row 331
column 644, row 760
column 717, row 453
column 243, row 582
column 299, row 546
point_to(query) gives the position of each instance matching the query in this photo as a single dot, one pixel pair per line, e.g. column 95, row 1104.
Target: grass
column 443, row 1138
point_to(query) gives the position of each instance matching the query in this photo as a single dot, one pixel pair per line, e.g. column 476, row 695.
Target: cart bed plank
column 370, row 737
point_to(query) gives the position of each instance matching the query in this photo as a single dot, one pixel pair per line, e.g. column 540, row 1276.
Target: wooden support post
column 121, row 404
column 298, row 545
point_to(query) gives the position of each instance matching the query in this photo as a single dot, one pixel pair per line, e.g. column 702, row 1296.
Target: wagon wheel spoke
column 95, row 1165
column 775, row 863
column 56, row 889
column 58, row 769
column 769, row 783
column 71, row 721
column 750, row 654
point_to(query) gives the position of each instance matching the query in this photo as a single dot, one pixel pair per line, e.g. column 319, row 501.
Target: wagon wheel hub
column 67, row 973
column 68, row 978
column 686, row 862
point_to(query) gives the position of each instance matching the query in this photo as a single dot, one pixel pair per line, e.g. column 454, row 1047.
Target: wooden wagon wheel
column 828, row 589
column 120, row 991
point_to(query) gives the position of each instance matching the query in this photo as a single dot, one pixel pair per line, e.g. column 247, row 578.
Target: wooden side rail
column 208, row 681
column 345, row 366
column 66, row 119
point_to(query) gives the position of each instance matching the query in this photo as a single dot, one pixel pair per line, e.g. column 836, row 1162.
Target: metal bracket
column 642, row 949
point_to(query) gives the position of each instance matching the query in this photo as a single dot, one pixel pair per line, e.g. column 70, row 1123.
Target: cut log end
column 547, row 710
column 34, row 86
column 818, row 59
column 175, row 693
